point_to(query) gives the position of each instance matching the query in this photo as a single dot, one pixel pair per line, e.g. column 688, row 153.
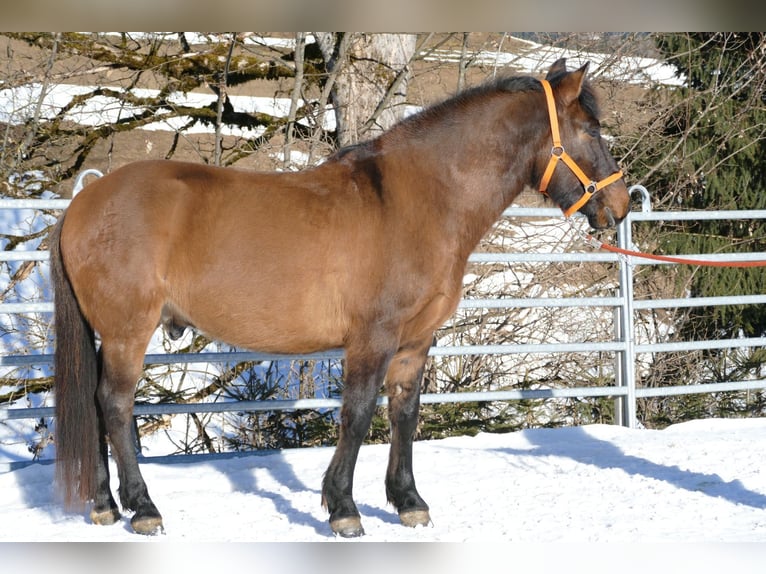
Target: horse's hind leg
column 122, row 365
column 104, row 509
column 363, row 378
column 403, row 390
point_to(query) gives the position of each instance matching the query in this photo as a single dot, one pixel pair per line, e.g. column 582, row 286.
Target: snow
column 700, row 481
column 17, row 106
column 537, row 58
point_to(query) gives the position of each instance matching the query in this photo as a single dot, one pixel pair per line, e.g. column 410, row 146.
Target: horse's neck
column 468, row 179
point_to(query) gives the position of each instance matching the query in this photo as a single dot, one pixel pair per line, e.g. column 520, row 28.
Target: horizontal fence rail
column 624, row 346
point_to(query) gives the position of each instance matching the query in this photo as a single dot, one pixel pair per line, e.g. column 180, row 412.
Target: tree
column 135, row 80
column 369, row 75
column 703, row 147
column 718, row 134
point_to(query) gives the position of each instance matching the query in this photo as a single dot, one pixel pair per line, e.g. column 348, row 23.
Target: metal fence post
column 625, row 411
column 619, row 359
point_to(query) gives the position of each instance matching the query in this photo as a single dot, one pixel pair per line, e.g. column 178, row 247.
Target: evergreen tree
column 715, row 146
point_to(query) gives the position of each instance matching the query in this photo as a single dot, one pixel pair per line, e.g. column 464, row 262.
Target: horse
column 365, row 252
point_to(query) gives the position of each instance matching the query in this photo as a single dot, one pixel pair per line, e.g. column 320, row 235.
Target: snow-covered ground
column 701, row 481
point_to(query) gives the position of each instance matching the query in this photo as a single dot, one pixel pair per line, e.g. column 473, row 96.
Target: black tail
column 75, row 380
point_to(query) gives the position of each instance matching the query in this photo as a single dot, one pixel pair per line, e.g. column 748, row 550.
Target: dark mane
column 462, row 99
column 588, row 98
column 421, row 119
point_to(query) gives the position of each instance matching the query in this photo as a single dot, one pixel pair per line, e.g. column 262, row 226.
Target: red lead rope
column 682, row 260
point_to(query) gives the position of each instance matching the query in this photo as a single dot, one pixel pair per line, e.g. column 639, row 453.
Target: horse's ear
column 558, row 67
column 571, row 85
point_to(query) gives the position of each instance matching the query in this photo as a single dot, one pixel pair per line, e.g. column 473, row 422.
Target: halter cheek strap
column 559, row 153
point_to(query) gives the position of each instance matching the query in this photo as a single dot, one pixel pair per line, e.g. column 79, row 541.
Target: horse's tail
column 75, row 380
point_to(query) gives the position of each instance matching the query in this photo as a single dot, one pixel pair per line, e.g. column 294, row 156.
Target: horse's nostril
column 610, row 217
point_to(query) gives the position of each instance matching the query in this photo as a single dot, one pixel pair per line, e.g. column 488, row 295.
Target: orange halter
column 559, row 153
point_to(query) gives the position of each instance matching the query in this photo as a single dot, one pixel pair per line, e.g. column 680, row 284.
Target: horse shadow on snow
column 245, row 480
column 583, row 448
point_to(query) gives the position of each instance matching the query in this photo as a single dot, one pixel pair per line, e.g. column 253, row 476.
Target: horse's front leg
column 363, row 378
column 403, row 389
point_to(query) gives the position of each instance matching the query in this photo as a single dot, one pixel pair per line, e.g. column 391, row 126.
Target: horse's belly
column 272, row 335
column 250, row 315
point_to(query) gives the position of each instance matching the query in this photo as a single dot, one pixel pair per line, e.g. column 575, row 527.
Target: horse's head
column 579, row 173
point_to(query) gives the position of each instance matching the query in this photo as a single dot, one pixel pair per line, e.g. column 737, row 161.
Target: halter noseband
column 559, row 153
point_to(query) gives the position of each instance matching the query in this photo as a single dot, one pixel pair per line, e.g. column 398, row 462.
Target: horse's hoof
column 413, row 518
column 349, row 527
column 105, row 517
column 147, row 525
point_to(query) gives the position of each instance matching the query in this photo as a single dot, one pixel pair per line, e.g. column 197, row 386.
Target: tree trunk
column 371, row 76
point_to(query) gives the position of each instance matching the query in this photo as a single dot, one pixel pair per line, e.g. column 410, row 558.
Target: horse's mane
column 427, row 116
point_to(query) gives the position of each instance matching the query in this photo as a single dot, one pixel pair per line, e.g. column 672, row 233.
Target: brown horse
column 365, row 252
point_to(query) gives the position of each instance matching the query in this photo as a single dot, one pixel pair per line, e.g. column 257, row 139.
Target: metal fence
column 624, row 347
